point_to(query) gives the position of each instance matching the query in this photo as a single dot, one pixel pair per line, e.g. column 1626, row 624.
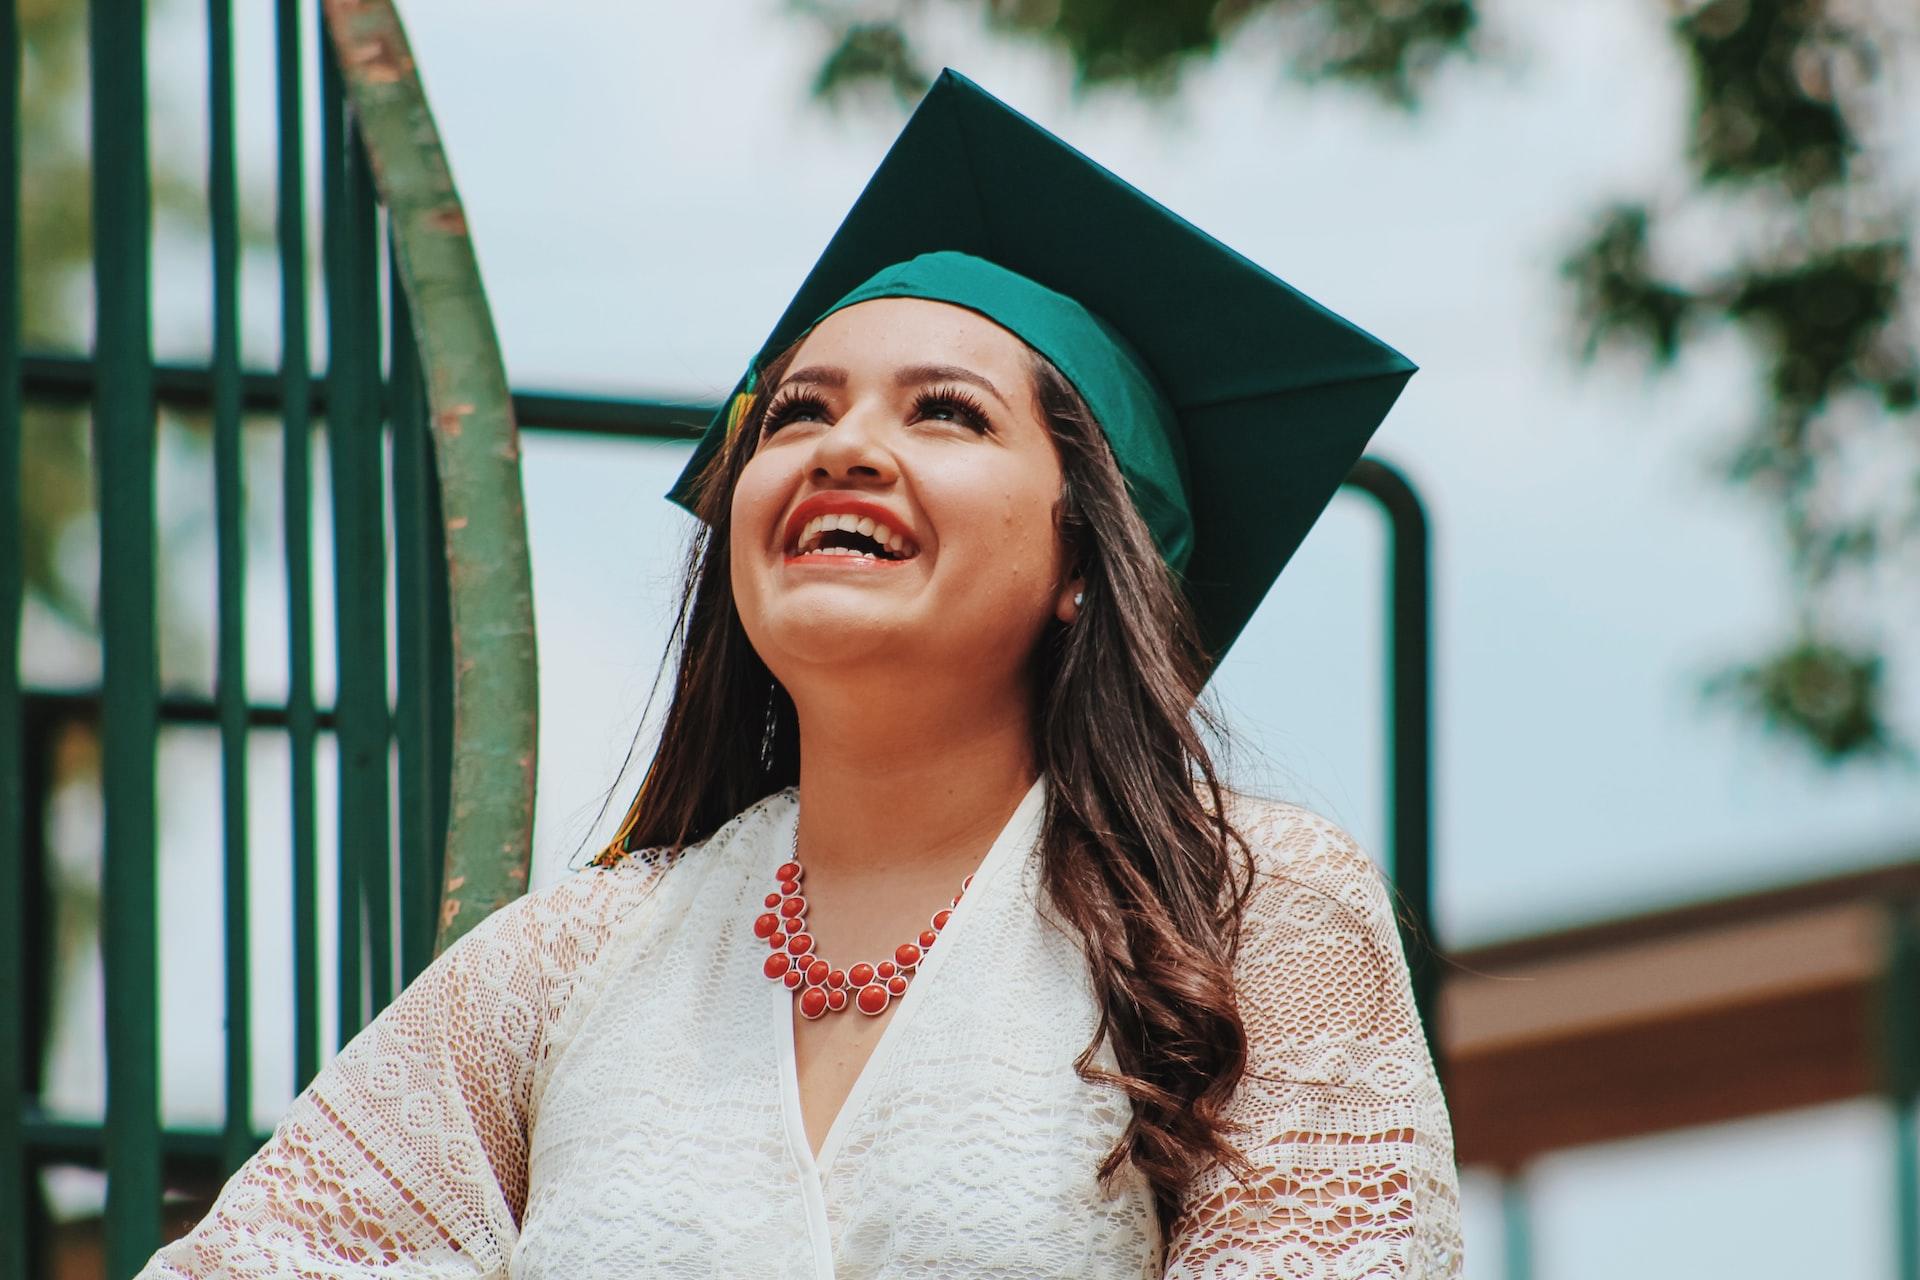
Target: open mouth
column 845, row 533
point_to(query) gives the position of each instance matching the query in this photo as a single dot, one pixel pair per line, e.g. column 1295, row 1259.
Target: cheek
column 756, row 504
column 1006, row 534
column 753, row 494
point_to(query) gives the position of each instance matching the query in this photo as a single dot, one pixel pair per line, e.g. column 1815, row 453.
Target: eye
column 792, row 407
column 951, row 404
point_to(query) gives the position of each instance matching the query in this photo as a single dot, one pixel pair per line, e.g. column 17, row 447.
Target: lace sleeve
column 1345, row 1123
column 407, row 1155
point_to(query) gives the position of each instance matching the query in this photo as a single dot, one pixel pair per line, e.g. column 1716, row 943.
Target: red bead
column 796, row 925
column 788, row 871
column 773, row 899
column 966, row 884
column 860, row 975
column 813, row 1002
column 884, row 970
column 956, row 900
column 792, row 979
column 789, row 887
column 897, row 984
column 765, row 925
column 777, row 964
column 800, row 944
column 837, row 979
column 906, row 955
column 791, row 907
column 927, row 938
column 836, row 998
column 817, row 973
column 778, row 941
column 940, row 919
column 872, row 998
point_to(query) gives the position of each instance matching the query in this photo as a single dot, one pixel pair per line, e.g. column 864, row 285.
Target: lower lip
column 861, row 563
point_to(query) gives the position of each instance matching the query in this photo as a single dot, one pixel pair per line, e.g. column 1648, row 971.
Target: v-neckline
column 1018, row 832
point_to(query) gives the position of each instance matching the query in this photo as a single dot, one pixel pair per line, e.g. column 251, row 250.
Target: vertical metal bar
column 439, row 664
column 13, row 826
column 229, row 504
column 297, row 499
column 416, row 542
column 349, row 1005
column 1516, row 1228
column 1900, row 1019
column 359, row 538
column 123, row 423
column 1906, row 1186
column 365, row 438
column 1410, row 725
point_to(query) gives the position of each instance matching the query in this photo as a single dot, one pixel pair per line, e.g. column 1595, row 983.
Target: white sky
column 647, row 183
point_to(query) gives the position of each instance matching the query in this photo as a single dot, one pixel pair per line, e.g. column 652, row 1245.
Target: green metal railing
column 429, row 408
column 14, row 1069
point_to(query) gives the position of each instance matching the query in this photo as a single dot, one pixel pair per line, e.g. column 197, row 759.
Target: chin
column 828, row 631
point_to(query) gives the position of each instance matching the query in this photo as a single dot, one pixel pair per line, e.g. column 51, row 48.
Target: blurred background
column 1654, row 257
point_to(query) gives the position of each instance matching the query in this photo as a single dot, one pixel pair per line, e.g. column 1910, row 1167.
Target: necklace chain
column 821, row 987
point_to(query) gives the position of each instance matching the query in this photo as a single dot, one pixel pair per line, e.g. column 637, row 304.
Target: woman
column 931, row 945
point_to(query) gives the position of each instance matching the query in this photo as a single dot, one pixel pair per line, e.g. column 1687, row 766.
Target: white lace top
column 599, row 1082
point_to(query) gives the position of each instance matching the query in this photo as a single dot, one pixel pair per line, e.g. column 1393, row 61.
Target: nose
column 854, row 450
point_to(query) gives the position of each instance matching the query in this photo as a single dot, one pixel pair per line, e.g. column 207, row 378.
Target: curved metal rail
column 477, row 451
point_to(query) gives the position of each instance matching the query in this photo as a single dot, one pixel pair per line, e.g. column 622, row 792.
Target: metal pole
column 1901, row 1039
column 1410, row 725
column 419, row 555
column 13, row 852
column 359, row 560
column 296, row 395
column 229, row 503
column 123, row 425
column 1516, row 1234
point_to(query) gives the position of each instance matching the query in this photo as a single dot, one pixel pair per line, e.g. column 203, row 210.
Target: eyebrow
column 913, row 375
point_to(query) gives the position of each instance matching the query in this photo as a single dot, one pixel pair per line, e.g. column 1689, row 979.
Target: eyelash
column 966, row 408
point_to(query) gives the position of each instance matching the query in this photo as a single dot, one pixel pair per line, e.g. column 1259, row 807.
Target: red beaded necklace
column 824, row 989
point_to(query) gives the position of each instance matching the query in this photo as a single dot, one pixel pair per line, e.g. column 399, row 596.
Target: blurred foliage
column 1817, row 691
column 1814, row 268
column 1820, row 287
column 1390, row 47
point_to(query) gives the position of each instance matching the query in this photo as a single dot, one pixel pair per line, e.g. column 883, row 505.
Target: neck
column 916, row 782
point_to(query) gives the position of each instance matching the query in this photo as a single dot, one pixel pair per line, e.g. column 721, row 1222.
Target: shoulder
column 592, row 899
column 543, row 940
column 1291, row 842
column 1319, row 942
column 567, row 922
column 1311, row 878
column 755, row 819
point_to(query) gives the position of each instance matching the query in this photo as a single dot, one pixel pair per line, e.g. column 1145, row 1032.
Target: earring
column 1079, row 598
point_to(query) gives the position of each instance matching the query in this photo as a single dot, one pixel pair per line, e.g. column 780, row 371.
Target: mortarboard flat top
column 1274, row 397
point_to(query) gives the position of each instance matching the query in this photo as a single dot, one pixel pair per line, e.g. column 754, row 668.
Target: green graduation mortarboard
column 1234, row 405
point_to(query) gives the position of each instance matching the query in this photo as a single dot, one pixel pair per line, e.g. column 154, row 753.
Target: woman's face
column 900, row 506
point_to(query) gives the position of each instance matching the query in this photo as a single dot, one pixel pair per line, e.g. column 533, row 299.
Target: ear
column 1066, row 605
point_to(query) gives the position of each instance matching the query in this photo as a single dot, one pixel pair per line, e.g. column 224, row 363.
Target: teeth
column 808, row 543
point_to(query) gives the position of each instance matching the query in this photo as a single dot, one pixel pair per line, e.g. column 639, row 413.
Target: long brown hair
column 1137, row 853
